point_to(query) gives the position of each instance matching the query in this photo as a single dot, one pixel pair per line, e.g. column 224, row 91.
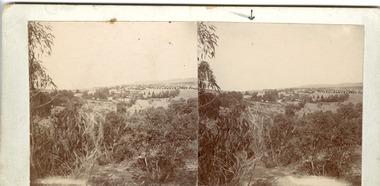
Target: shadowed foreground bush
column 74, row 138
column 157, row 140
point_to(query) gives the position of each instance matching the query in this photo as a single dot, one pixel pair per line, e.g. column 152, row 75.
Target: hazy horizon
column 295, row 87
column 311, row 85
column 100, row 54
column 130, row 83
column 256, row 56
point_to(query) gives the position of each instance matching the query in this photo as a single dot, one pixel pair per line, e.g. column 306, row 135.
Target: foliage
column 72, row 139
column 163, row 138
column 230, row 98
column 225, row 129
column 224, row 147
column 291, row 109
column 270, row 95
column 207, row 41
column 121, row 107
column 333, row 98
column 165, row 94
column 101, row 94
column 40, row 42
column 333, row 139
column 79, row 138
column 61, row 97
column 278, row 134
column 206, row 79
column 324, row 141
column 114, row 128
column 41, row 104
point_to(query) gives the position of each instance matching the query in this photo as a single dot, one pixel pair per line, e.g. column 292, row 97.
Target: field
column 355, row 99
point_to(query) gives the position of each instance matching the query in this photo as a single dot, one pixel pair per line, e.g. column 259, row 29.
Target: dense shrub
column 60, row 148
column 121, row 107
column 324, row 141
column 290, row 110
column 122, row 152
column 78, row 138
column 101, row 94
column 226, row 136
column 114, row 128
column 279, row 140
column 41, row 102
column 162, row 138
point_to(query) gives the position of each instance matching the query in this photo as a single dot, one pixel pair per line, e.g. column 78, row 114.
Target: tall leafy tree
column 207, row 41
column 40, row 42
column 223, row 128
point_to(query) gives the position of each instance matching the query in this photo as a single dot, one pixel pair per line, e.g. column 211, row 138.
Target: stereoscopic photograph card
column 181, row 95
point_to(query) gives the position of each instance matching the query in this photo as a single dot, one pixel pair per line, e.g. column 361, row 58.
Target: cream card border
column 14, row 132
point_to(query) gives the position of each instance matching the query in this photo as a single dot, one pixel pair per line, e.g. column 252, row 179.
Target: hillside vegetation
column 241, row 138
column 114, row 145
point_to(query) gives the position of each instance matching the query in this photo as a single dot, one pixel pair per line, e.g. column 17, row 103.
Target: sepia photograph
column 280, row 104
column 113, row 103
column 189, row 95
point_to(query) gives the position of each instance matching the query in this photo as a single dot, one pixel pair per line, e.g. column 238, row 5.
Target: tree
column 271, row 95
column 223, row 130
column 102, row 93
column 40, row 42
column 207, row 40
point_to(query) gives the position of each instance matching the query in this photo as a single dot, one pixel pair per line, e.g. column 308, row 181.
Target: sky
column 255, row 56
column 96, row 54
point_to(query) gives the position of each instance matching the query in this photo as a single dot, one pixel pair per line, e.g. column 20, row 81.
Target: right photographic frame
column 280, row 104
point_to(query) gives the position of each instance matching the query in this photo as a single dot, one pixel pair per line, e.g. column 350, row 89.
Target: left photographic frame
column 113, row 102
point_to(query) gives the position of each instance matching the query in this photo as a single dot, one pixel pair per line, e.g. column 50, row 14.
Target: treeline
column 99, row 94
column 331, row 98
column 274, row 95
column 104, row 94
column 162, row 94
column 269, row 95
column 78, row 138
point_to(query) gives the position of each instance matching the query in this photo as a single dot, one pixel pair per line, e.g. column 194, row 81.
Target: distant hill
column 171, row 81
column 152, row 82
column 340, row 85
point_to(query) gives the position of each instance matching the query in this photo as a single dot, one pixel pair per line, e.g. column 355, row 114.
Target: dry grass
column 315, row 107
column 187, row 94
column 261, row 108
column 354, row 98
column 101, row 106
column 152, row 102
